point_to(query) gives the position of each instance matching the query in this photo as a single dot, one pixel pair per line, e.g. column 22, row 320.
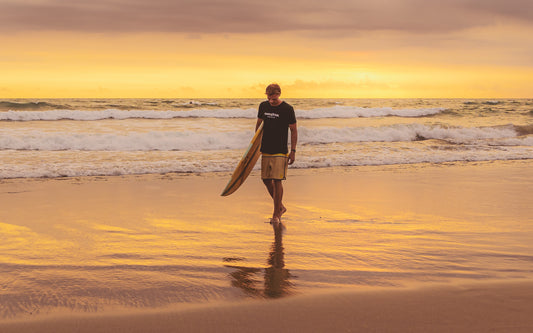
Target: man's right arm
column 259, row 121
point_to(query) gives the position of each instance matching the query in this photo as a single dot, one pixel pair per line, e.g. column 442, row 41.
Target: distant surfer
column 278, row 117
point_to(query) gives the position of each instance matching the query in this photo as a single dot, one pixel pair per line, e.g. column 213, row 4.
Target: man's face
column 273, row 99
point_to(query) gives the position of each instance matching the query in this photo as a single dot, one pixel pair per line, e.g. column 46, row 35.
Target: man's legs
column 275, row 189
column 273, row 171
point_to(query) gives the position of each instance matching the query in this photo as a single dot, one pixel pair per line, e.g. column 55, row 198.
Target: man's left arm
column 294, row 141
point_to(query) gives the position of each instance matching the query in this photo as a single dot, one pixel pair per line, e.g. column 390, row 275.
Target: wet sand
column 495, row 307
column 427, row 232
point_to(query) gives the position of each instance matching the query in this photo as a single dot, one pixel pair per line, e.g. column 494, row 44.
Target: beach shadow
column 275, row 277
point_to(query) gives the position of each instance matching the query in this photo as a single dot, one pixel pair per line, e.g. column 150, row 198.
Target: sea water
column 88, row 137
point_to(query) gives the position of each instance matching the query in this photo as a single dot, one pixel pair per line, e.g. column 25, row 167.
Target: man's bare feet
column 275, row 220
column 282, row 211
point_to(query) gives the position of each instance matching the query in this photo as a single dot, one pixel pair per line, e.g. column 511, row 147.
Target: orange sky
column 191, row 49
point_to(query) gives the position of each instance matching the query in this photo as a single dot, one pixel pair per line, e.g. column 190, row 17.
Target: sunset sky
column 233, row 48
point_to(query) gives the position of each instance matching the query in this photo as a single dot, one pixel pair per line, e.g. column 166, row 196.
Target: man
column 278, row 118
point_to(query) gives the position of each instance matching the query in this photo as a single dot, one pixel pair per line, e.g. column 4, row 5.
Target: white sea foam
column 124, row 114
column 212, row 140
column 391, row 155
column 115, row 168
column 162, row 141
column 61, row 164
column 405, row 132
column 359, row 112
column 330, row 112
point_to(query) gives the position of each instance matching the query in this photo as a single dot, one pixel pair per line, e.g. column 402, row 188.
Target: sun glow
column 158, row 65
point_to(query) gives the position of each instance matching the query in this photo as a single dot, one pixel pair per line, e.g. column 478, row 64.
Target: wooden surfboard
column 246, row 164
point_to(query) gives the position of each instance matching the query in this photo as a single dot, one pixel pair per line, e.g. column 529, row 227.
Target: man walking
column 278, row 117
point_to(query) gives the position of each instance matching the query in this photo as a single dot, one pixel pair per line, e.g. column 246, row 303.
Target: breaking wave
column 197, row 141
column 330, row 112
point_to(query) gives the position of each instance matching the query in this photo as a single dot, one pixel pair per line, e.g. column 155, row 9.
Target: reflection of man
column 277, row 278
column 278, row 118
column 277, row 282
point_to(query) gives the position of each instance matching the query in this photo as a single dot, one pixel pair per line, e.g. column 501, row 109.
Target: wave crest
column 5, row 105
column 197, row 141
column 331, row 112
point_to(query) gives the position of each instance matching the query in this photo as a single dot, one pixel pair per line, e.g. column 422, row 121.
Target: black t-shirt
column 276, row 126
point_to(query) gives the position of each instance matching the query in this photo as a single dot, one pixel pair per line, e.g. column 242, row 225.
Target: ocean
column 105, row 137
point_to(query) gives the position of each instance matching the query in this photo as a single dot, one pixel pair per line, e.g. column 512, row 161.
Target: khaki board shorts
column 274, row 166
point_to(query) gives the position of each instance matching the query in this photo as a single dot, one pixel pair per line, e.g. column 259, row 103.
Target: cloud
column 323, row 88
column 333, row 85
column 253, row 16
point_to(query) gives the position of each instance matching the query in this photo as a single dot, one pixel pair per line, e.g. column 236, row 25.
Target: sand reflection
column 276, row 278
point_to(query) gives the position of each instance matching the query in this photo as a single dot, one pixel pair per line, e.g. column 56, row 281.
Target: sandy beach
column 496, row 307
column 418, row 248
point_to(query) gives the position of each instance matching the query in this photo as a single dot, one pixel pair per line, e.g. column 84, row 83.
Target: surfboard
column 246, row 164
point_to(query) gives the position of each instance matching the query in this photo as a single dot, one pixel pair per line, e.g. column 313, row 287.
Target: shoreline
column 292, row 171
